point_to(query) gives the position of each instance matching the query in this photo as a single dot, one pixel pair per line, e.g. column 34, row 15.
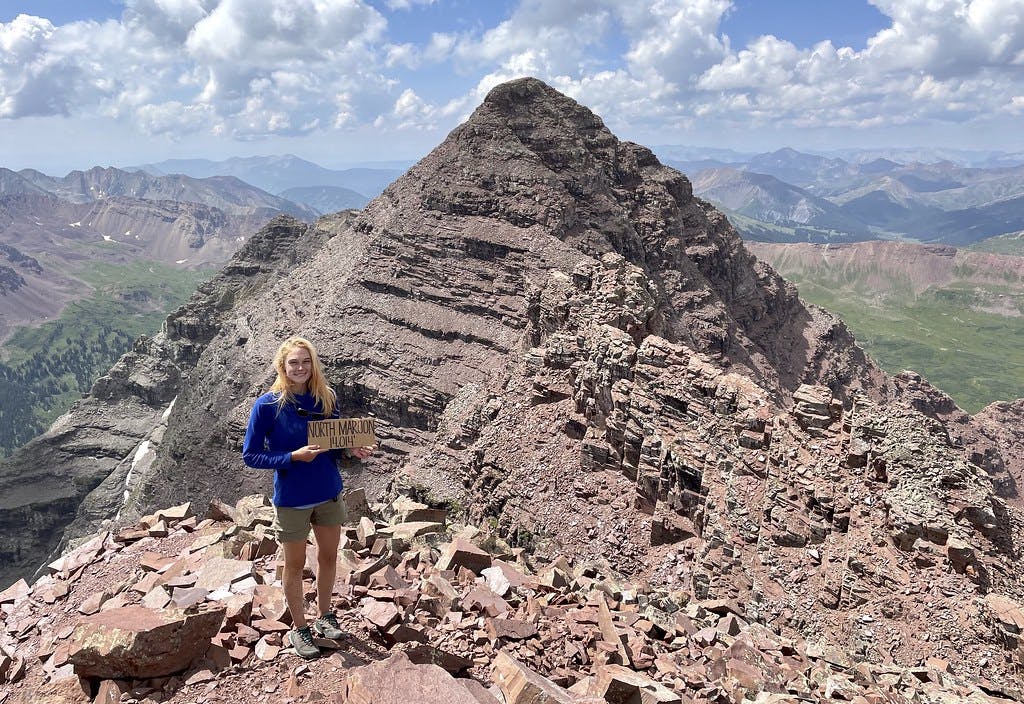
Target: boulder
column 521, row 685
column 137, row 642
column 397, row 680
column 620, row 685
column 462, row 553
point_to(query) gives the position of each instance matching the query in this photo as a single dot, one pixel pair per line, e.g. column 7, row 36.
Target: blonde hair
column 318, row 387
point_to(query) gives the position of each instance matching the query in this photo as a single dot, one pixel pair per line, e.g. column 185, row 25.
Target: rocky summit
column 566, row 349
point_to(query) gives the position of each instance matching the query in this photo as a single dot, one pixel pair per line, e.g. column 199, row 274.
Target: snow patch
column 76, row 224
column 180, row 261
column 108, row 238
column 144, row 449
column 140, row 453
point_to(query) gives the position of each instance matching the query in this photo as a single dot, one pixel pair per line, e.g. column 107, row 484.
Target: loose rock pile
column 186, row 609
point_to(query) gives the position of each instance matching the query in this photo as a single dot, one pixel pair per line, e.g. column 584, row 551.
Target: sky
column 339, row 82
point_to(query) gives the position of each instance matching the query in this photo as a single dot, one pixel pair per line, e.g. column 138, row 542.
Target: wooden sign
column 342, row 432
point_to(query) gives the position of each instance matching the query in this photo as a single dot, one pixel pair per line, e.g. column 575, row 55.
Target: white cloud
column 407, row 4
column 940, row 60
column 254, row 68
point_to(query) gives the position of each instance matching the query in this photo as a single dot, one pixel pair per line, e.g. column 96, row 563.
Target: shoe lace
column 305, row 635
column 331, row 620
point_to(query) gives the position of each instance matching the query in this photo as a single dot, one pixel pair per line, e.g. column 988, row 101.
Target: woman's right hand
column 307, row 453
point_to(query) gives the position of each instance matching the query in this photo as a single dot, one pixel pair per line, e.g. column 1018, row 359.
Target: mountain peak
column 533, row 104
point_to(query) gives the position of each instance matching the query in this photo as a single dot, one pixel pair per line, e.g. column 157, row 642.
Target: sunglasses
column 310, row 414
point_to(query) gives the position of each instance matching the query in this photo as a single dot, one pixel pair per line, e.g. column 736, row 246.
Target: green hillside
column 1004, row 244
column 46, row 368
column 965, row 339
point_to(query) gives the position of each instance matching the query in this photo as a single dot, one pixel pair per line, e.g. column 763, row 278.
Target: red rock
column 136, row 642
column 477, row 690
column 1007, row 612
column 130, row 535
column 366, row 531
column 405, row 633
column 609, row 632
column 246, row 634
column 381, row 614
column 14, row 592
column 62, row 690
column 220, row 511
column 219, row 656
column 220, row 572
column 16, row 670
column 510, row 629
column 114, row 602
column 398, row 680
column 462, row 553
column 486, row 602
column 722, row 607
column 184, row 597
column 146, row 584
column 265, row 650
column 413, row 529
column 110, row 691
column 425, row 654
column 387, row 576
column 154, row 561
column 268, row 601
column 239, row 610
column 174, row 514
column 92, row 604
column 521, row 685
column 269, row 625
column 615, row 683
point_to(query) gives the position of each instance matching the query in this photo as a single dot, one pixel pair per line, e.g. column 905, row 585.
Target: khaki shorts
column 292, row 524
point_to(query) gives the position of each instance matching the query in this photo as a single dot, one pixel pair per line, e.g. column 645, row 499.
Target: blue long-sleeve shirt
column 271, row 436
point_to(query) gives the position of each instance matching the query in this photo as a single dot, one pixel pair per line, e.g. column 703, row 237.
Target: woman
column 307, row 483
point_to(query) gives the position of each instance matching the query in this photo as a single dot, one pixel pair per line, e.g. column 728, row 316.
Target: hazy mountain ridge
column 326, row 199
column 279, row 173
column 769, row 199
column 831, row 200
column 224, row 192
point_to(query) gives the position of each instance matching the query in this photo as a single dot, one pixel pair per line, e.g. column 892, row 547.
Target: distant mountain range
column 54, row 229
column 790, row 196
column 281, row 174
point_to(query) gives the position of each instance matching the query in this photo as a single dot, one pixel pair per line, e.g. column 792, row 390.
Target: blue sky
column 121, row 82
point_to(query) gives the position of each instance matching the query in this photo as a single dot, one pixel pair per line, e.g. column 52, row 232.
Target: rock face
column 557, row 337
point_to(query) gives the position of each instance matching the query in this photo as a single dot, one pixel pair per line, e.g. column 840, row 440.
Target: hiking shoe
column 302, row 640
column 328, row 627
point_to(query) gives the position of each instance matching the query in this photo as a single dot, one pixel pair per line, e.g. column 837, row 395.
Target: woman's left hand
column 361, row 452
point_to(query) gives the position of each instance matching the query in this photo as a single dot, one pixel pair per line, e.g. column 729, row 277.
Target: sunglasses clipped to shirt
column 310, row 414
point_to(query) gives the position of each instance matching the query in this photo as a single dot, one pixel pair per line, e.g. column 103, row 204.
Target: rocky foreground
column 182, row 608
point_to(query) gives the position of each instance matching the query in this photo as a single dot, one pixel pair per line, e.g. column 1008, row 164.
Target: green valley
column 958, row 320
column 45, row 368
